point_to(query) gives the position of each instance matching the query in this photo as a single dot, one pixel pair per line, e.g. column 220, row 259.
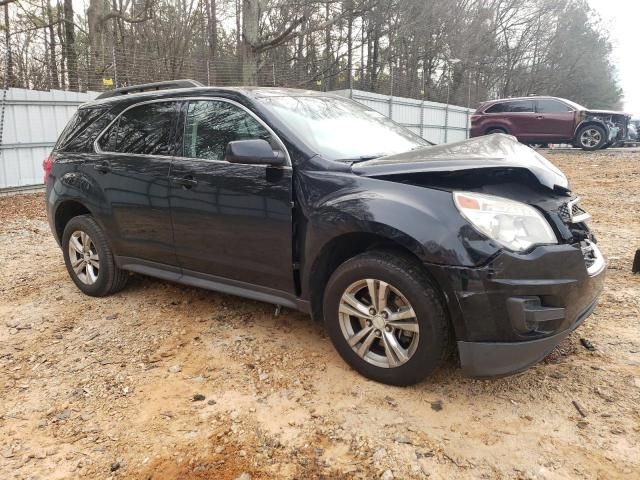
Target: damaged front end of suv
column 534, row 271
column 615, row 126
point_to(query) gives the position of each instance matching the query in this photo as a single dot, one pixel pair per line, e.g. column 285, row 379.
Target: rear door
column 521, row 117
column 555, row 121
column 518, row 116
column 132, row 168
column 230, row 220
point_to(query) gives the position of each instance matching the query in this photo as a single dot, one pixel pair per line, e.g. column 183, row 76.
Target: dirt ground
column 114, row 387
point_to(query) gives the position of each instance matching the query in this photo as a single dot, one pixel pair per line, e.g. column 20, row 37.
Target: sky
column 622, row 19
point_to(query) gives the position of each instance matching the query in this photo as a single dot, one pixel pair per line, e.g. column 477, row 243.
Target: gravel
column 90, row 380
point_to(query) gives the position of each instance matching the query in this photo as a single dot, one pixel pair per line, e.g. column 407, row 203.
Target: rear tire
column 89, row 258
column 407, row 338
column 591, row 137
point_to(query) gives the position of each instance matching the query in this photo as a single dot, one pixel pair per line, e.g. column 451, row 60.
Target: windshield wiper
column 364, row 158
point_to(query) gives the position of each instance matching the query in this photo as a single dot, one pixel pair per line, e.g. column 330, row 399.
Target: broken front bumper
column 511, row 313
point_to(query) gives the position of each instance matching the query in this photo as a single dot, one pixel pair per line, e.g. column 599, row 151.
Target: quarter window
column 212, row 124
column 145, row 129
column 552, row 106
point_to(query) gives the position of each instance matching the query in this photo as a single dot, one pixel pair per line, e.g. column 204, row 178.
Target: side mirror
column 253, row 152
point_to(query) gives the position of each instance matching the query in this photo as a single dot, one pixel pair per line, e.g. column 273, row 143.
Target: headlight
column 513, row 224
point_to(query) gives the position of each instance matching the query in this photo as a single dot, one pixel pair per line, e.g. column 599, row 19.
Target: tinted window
column 552, row 106
column 512, row 107
column 146, row 129
column 83, row 129
column 211, row 125
column 497, row 108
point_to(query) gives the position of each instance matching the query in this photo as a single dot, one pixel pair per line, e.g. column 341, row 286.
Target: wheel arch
column 65, row 211
column 343, row 247
column 496, row 127
column 587, row 123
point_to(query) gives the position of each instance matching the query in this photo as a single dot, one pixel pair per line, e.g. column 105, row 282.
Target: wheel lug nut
column 385, row 315
column 368, row 323
column 378, row 333
column 388, row 328
column 372, row 311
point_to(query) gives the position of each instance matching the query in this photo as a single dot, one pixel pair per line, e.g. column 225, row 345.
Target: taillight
column 47, row 166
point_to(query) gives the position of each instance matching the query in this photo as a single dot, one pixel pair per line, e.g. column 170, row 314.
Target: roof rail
column 147, row 87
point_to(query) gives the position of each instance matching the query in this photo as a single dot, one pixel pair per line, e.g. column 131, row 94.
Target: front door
column 230, row 220
column 555, row 120
column 132, row 169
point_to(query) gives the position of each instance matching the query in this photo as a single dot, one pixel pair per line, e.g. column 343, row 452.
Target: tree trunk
column 70, row 45
column 53, row 68
column 7, row 35
column 250, row 20
column 328, row 56
column 63, row 56
column 301, row 69
column 350, row 45
column 95, row 15
column 212, row 21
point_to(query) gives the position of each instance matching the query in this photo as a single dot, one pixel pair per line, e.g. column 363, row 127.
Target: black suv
column 314, row 202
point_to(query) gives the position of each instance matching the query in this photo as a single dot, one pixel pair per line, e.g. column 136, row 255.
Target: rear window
column 144, row 130
column 516, row 106
column 83, row 129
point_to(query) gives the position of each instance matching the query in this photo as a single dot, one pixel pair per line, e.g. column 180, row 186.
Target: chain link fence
column 41, row 95
column 55, row 69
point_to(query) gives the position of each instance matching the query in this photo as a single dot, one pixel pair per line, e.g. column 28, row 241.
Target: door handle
column 187, row 181
column 104, row 167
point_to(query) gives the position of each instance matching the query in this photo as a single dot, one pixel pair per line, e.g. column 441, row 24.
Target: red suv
column 543, row 120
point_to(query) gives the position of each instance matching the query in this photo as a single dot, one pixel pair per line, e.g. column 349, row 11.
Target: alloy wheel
column 590, row 138
column 379, row 323
column 84, row 258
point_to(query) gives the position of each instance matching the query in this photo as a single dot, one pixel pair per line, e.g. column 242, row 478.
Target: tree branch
column 125, row 18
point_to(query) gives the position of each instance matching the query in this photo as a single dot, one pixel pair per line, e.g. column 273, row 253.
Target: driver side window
column 211, row 124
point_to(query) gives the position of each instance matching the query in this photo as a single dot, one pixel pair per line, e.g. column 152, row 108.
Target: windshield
column 340, row 129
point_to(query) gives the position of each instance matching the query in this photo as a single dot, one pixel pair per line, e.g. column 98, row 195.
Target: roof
column 156, row 90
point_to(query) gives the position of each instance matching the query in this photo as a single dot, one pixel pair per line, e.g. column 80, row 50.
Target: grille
column 570, row 210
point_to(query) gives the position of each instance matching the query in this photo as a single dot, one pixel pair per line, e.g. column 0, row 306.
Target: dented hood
column 490, row 151
column 607, row 113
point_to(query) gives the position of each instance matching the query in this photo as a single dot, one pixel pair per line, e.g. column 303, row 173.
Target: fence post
column 467, row 129
column 446, row 123
column 5, row 90
column 422, row 118
column 115, row 67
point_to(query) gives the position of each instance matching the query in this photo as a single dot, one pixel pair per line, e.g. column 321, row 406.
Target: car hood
column 606, row 112
column 490, row 151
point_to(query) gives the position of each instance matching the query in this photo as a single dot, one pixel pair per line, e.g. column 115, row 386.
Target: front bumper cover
column 493, row 359
column 510, row 313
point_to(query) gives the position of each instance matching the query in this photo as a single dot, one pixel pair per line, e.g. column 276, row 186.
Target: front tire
column 493, row 131
column 591, row 137
column 89, row 258
column 385, row 318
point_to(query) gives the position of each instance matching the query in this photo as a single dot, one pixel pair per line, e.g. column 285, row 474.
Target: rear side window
column 518, row 106
column 145, row 130
column 83, row 129
column 552, row 106
column 211, row 124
